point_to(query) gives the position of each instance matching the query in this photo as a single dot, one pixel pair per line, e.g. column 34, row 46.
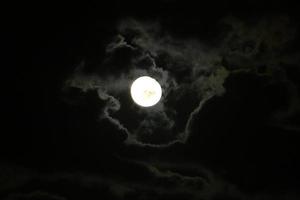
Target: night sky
column 226, row 128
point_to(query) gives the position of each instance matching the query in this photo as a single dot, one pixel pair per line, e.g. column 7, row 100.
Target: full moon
column 145, row 91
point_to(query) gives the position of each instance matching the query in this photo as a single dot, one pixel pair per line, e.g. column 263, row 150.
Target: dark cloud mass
column 227, row 125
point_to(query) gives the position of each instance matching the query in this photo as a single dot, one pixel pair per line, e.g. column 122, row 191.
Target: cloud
column 266, row 48
column 190, row 72
column 150, row 52
column 262, row 45
column 159, row 184
column 148, row 180
column 112, row 105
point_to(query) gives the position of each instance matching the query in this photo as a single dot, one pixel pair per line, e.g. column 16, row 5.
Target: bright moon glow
column 145, row 91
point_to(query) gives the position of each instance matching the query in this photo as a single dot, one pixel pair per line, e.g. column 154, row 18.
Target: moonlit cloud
column 189, row 71
column 147, row 51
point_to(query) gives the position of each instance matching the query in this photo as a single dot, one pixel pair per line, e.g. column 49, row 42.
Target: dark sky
column 227, row 126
